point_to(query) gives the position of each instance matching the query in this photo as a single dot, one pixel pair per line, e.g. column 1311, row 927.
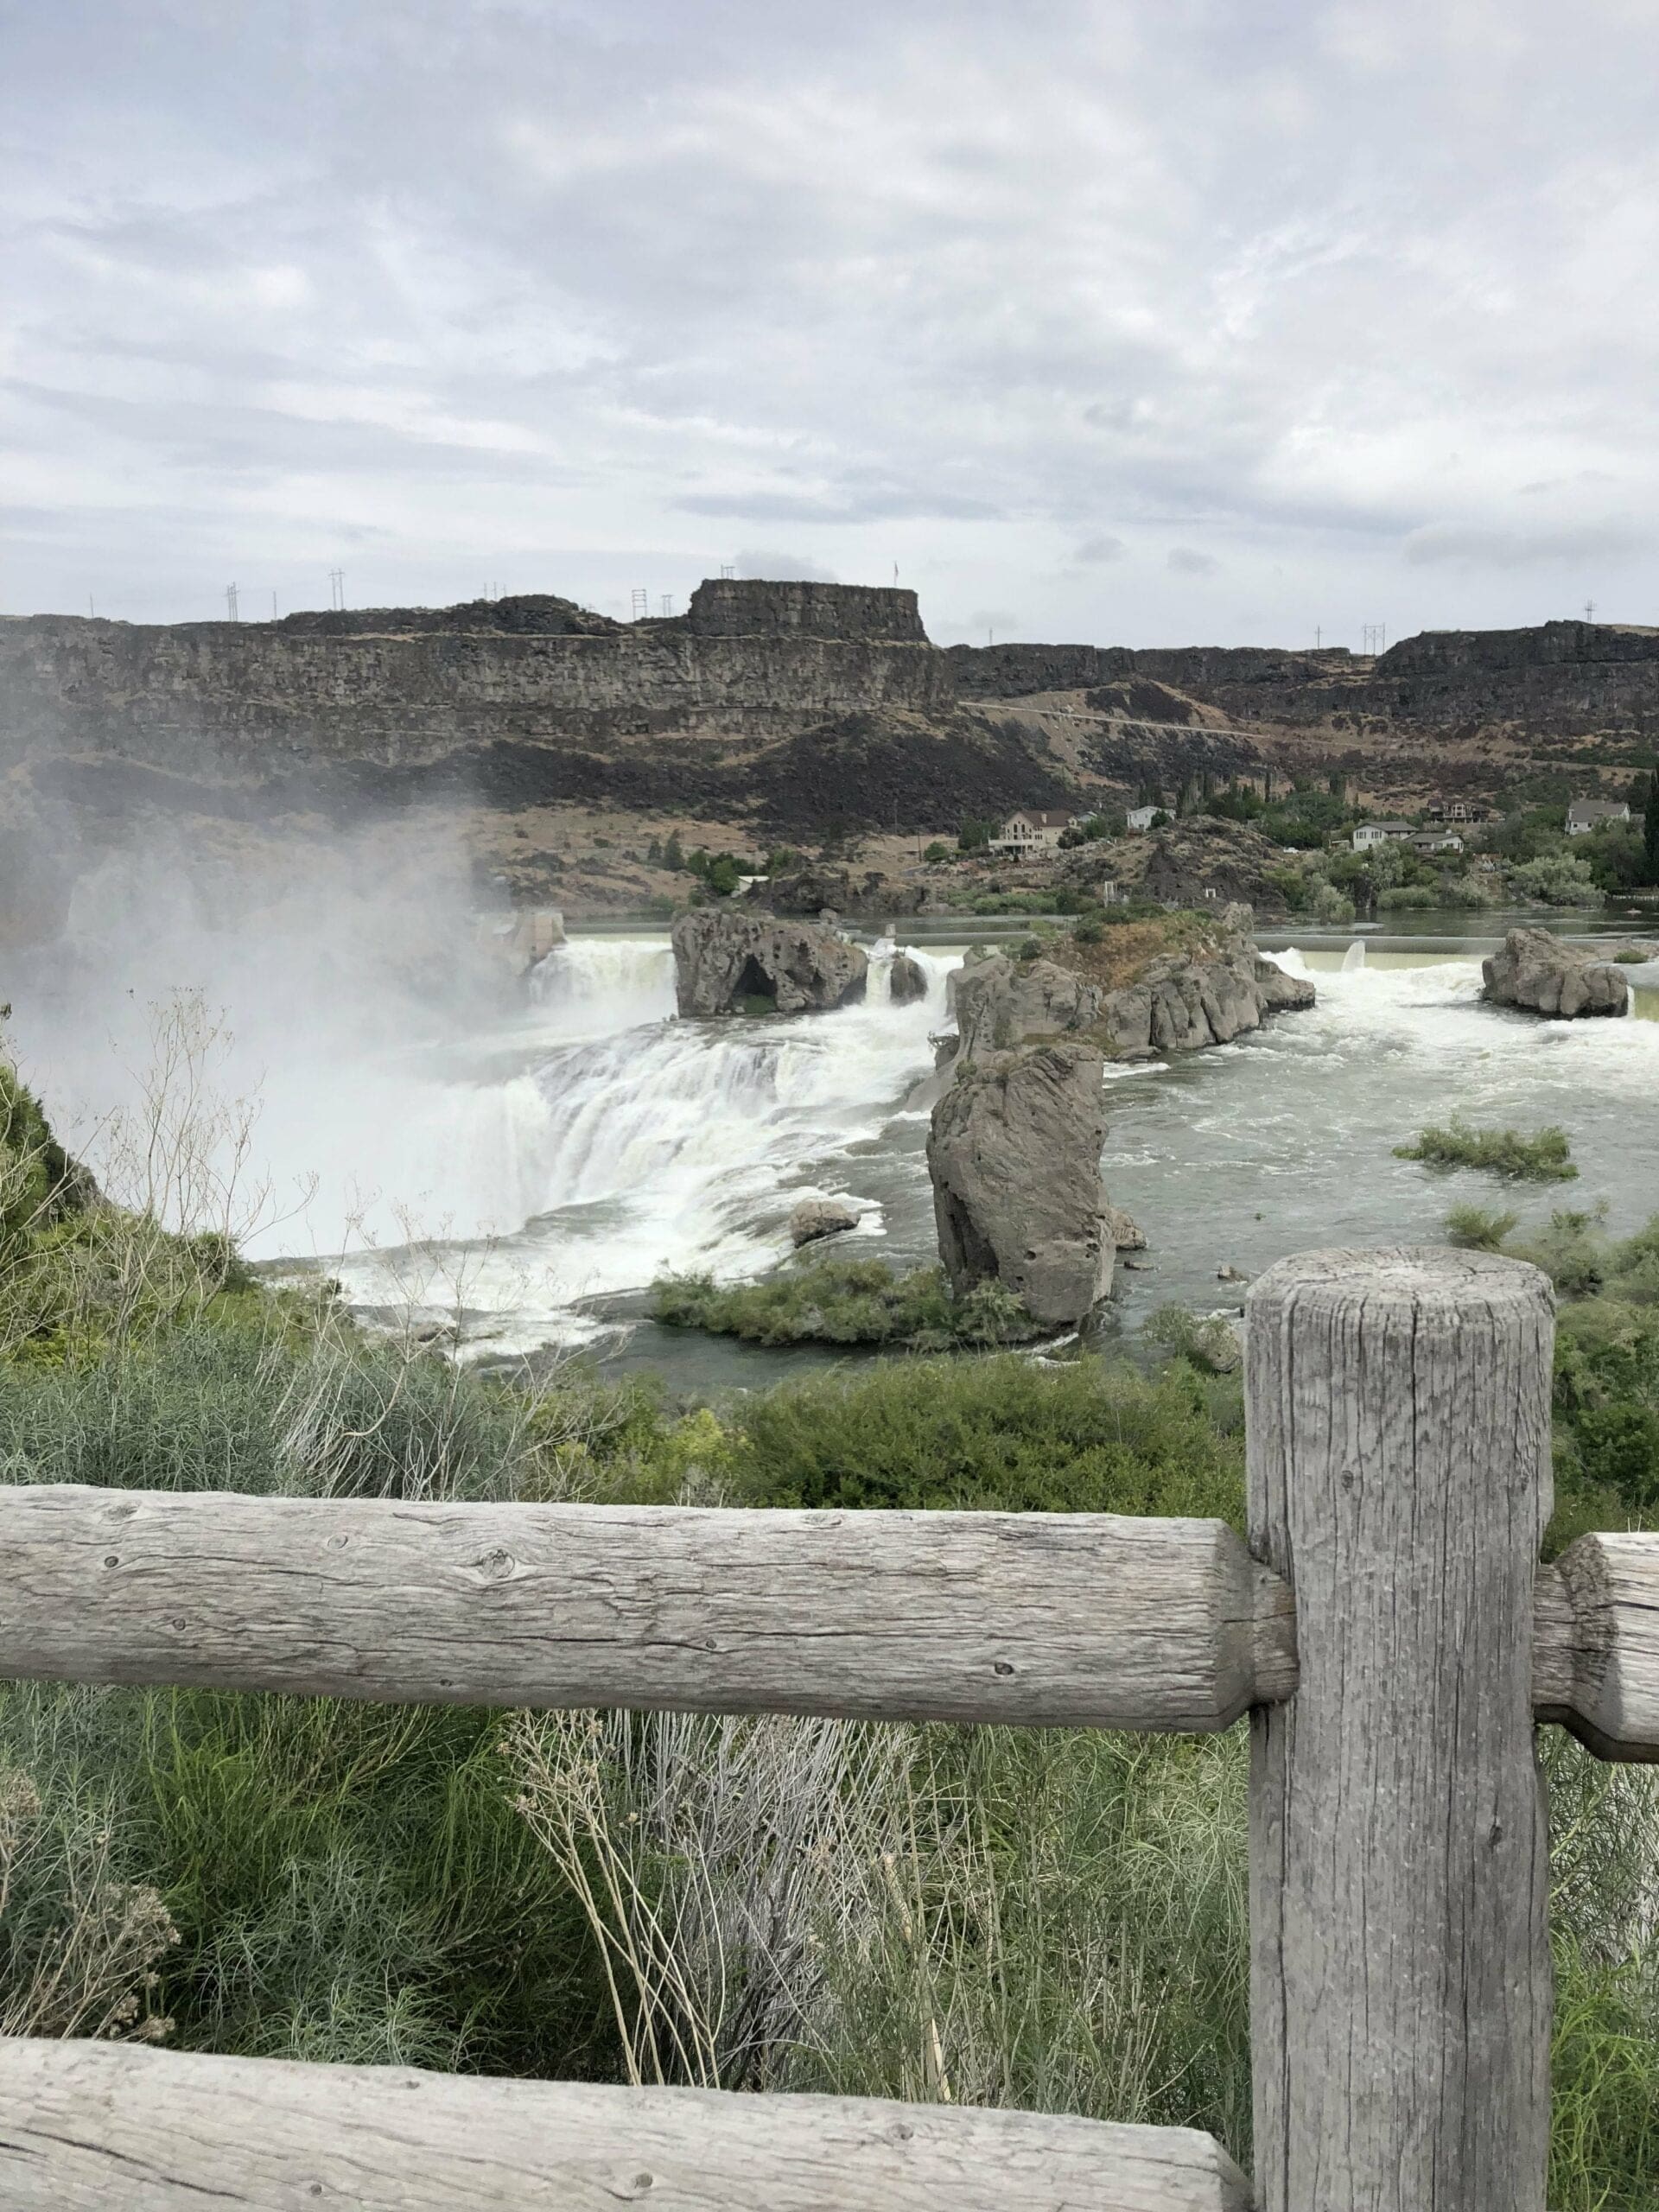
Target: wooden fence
column 1389, row 1629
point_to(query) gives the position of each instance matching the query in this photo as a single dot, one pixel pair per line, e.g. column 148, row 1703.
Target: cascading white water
column 658, row 1144
column 1353, row 958
column 596, row 985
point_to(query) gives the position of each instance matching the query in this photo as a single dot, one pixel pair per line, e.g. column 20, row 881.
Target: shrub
column 844, row 1301
column 1557, row 879
column 937, row 854
column 999, row 1432
column 1476, row 1229
column 1539, row 1159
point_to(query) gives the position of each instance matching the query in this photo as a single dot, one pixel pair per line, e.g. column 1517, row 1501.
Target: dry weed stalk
column 92, row 1969
column 717, row 1861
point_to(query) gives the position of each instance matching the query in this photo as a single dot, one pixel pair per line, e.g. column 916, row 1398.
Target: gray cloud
column 783, row 568
column 1185, row 560
column 456, row 286
column 1472, row 546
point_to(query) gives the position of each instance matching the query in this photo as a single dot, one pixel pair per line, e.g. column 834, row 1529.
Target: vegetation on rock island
column 846, row 1301
column 1544, row 1157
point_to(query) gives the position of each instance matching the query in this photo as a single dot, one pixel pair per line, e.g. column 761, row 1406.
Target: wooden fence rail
column 106, row 2127
column 1095, row 1620
column 1388, row 1629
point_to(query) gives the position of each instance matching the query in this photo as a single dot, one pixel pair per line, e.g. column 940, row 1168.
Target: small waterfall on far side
column 1354, row 959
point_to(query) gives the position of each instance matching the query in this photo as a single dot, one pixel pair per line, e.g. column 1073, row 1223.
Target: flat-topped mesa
column 1542, row 974
column 730, row 607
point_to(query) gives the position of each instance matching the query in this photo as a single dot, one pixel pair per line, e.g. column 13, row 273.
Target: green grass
column 1541, row 1158
column 842, row 1301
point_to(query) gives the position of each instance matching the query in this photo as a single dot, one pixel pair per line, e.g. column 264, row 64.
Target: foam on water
column 657, row 1145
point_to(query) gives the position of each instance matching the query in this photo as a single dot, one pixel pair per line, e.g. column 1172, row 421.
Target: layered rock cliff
column 1558, row 679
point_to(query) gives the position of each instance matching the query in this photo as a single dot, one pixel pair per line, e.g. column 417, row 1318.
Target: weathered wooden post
column 1399, row 1479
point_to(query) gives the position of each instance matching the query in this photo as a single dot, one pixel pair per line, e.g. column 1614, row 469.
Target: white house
column 1436, row 841
column 1032, row 829
column 1587, row 814
column 1141, row 817
column 1379, row 833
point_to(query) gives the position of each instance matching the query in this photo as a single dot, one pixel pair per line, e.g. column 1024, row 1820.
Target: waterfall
column 634, row 1144
column 1354, row 958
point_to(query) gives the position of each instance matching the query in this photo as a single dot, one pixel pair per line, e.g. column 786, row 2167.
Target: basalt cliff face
column 789, row 706
column 785, row 709
column 1560, row 679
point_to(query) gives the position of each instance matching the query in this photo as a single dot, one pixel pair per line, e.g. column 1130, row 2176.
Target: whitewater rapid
column 527, row 1177
column 607, row 1142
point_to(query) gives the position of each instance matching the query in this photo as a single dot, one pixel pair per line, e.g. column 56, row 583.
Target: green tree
column 672, row 856
column 974, row 837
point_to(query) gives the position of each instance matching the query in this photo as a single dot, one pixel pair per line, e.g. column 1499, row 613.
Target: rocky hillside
column 768, row 712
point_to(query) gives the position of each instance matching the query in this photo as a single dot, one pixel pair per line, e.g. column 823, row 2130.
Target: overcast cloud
column 1157, row 323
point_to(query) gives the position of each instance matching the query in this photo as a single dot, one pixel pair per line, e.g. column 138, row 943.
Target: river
column 546, row 1169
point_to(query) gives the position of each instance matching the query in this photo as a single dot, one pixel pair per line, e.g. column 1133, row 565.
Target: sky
column 1131, row 321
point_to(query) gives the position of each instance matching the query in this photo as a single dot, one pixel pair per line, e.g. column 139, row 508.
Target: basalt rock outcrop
column 1014, row 1152
column 813, row 1219
column 907, row 980
column 1179, row 1002
column 1544, row 974
column 843, row 890
column 727, row 962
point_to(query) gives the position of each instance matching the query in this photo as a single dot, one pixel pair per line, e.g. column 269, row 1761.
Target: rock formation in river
column 1014, row 1152
column 727, row 962
column 1544, row 974
column 1179, row 1002
column 816, row 1218
column 907, row 980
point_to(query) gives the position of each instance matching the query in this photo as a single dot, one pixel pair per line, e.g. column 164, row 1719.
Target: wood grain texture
column 1595, row 1645
column 1089, row 1619
column 89, row 2127
column 1398, row 1407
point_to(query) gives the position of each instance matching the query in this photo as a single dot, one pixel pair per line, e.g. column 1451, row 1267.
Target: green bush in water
column 844, row 1301
column 1543, row 1158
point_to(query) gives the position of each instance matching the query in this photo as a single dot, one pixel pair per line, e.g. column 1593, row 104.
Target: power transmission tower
column 1589, row 610
column 230, row 601
column 1375, row 636
column 641, row 602
column 337, row 590
column 727, row 570
column 1318, row 636
column 667, row 602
